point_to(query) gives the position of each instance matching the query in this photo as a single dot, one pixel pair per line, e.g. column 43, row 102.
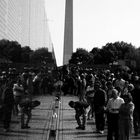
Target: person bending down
column 81, row 110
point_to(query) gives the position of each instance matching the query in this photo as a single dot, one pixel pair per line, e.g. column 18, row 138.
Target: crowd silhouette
column 110, row 97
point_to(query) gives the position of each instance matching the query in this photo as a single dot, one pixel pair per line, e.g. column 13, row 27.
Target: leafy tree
column 97, row 58
column 13, row 50
column 114, row 51
column 95, row 50
column 109, row 53
column 81, row 56
column 41, row 56
column 10, row 50
column 25, row 55
column 3, row 44
column 123, row 49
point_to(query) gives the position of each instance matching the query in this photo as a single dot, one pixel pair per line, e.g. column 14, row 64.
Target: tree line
column 108, row 54
column 13, row 52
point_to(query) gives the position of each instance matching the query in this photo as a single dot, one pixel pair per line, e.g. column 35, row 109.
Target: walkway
column 41, row 124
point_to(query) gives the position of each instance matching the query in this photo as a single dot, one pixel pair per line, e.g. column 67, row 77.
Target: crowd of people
column 113, row 98
column 110, row 97
column 16, row 94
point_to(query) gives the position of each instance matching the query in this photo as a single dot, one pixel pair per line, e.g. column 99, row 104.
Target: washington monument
column 68, row 32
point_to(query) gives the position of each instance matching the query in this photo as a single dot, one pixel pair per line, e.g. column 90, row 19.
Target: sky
column 95, row 23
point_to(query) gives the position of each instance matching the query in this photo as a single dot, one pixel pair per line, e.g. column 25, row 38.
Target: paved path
column 67, row 126
column 41, row 124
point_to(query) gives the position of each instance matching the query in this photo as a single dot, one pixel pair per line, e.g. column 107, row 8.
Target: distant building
column 10, row 20
column 25, row 21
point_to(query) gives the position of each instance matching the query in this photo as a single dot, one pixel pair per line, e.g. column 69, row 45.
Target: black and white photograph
column 69, row 69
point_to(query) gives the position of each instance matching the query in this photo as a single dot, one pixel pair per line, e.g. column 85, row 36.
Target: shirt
column 113, row 105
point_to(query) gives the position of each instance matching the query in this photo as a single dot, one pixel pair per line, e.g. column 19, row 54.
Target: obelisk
column 68, row 32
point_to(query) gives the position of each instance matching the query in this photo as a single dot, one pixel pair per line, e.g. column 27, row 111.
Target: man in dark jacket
column 81, row 109
column 99, row 106
column 8, row 102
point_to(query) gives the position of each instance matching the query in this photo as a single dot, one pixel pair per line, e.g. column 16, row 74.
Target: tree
column 123, row 49
column 13, row 50
column 3, row 44
column 81, row 56
column 10, row 50
column 42, row 57
column 109, row 53
column 119, row 50
column 97, row 58
column 38, row 55
column 25, row 55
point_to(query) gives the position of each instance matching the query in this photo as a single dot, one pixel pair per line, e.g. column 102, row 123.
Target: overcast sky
column 96, row 22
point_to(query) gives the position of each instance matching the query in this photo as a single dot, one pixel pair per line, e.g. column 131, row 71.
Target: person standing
column 113, row 106
column 18, row 92
column 136, row 114
column 8, row 102
column 110, row 87
column 119, row 82
column 82, row 88
column 29, row 89
column 126, row 118
column 26, row 101
column 90, row 98
column 99, row 106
